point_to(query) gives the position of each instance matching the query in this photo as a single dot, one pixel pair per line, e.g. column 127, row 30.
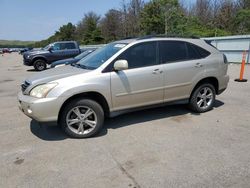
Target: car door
column 56, row 52
column 142, row 83
column 70, row 50
column 182, row 66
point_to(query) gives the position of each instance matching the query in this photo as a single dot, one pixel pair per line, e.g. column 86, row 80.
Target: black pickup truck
column 53, row 52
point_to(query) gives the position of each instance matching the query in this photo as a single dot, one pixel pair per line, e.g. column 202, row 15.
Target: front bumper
column 41, row 110
column 27, row 62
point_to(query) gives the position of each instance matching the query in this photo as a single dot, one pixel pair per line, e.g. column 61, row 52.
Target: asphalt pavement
column 161, row 147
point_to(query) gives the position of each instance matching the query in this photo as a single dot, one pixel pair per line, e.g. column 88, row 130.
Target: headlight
column 59, row 65
column 41, row 91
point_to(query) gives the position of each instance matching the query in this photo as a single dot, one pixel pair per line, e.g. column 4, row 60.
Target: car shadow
column 31, row 70
column 47, row 132
column 54, row 133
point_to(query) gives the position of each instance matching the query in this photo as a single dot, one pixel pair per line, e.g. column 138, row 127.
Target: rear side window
column 172, row 51
column 141, row 55
column 192, row 52
column 68, row 46
column 203, row 53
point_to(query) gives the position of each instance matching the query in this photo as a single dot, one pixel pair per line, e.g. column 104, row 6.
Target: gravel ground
column 161, row 147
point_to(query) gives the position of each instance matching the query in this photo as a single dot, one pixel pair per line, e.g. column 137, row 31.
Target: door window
column 68, row 46
column 175, row 51
column 172, row 51
column 202, row 52
column 141, row 55
column 192, row 52
column 56, row 47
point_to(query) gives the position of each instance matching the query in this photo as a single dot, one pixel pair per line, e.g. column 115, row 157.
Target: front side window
column 56, row 46
column 141, row 55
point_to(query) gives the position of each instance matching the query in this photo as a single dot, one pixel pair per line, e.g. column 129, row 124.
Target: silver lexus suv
column 124, row 76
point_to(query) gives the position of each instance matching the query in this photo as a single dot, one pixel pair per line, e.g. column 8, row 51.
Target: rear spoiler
column 209, row 42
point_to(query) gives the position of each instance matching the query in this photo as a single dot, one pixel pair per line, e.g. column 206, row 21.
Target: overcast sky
column 39, row 19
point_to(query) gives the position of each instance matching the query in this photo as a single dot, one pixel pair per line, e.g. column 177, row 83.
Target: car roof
column 64, row 41
column 154, row 38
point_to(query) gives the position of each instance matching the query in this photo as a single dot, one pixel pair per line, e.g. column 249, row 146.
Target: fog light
column 29, row 111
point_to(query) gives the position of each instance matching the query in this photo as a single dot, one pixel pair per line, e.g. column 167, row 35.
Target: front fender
column 36, row 57
column 70, row 88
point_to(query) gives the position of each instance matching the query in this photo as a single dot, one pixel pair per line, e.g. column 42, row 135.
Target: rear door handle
column 157, row 71
column 198, row 65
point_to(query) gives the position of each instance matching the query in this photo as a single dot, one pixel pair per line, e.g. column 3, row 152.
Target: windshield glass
column 46, row 47
column 83, row 54
column 98, row 57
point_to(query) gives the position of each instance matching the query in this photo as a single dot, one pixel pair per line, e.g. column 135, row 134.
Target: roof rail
column 166, row 36
column 125, row 38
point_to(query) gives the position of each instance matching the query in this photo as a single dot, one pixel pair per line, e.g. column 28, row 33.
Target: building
column 232, row 46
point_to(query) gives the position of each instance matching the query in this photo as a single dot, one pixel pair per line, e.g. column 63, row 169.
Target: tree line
column 204, row 18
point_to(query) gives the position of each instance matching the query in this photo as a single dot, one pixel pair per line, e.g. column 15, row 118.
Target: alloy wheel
column 81, row 120
column 205, row 98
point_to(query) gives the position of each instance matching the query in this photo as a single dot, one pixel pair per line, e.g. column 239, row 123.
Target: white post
column 248, row 57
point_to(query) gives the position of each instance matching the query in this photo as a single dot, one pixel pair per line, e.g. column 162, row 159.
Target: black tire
column 193, row 102
column 99, row 116
column 40, row 65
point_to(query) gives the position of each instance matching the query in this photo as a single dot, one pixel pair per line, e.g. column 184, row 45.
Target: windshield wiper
column 84, row 67
column 80, row 66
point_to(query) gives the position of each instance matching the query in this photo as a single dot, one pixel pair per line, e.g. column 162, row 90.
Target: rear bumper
column 223, row 83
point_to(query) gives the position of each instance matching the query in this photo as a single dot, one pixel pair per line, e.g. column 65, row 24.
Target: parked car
column 6, row 50
column 53, row 52
column 125, row 76
column 25, row 50
column 71, row 60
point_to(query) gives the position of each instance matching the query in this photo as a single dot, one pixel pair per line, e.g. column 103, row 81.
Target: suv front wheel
column 203, row 98
column 40, row 65
column 82, row 118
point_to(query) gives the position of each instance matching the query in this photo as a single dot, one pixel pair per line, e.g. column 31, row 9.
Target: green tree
column 111, row 26
column 163, row 16
column 242, row 21
column 152, row 18
column 88, row 29
column 66, row 32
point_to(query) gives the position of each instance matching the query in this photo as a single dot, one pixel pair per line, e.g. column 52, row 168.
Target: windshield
column 98, row 57
column 46, row 47
column 84, row 54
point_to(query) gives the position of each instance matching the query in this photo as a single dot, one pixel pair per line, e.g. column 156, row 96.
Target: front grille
column 25, row 85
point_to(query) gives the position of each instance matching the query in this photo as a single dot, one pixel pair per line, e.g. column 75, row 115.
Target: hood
column 63, row 61
column 34, row 52
column 54, row 74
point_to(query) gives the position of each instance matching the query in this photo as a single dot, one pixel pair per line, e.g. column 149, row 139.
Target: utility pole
column 248, row 57
column 167, row 15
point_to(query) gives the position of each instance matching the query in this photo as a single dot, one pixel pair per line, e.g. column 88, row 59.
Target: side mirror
column 121, row 65
column 50, row 49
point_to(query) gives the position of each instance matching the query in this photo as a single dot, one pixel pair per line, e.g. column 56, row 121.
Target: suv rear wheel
column 82, row 118
column 40, row 65
column 203, row 98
